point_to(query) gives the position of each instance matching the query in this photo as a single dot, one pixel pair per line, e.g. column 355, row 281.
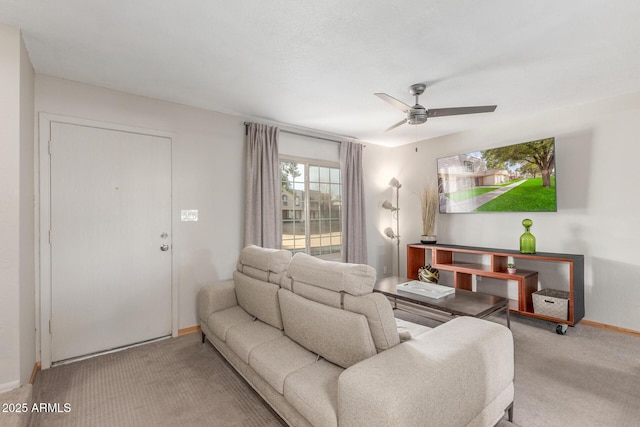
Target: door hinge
column 49, row 325
column 50, row 143
column 49, row 236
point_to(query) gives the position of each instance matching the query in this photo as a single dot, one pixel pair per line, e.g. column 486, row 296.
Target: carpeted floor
column 174, row 382
column 589, row 377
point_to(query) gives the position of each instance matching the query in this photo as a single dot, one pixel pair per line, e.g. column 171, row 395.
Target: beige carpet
column 589, row 377
column 174, row 382
column 9, row 415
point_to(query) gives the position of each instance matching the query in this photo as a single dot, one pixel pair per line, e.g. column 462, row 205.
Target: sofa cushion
column 243, row 338
column 408, row 330
column 221, row 321
column 260, row 263
column 313, row 391
column 276, row 359
column 314, row 293
column 337, row 335
column 215, row 297
column 355, row 279
column 377, row 309
column 258, row 298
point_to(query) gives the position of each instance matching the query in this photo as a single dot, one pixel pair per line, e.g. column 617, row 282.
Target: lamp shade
column 395, row 183
column 387, row 205
column 389, row 233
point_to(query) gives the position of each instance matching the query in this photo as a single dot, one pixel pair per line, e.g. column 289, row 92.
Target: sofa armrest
column 458, row 374
column 216, row 297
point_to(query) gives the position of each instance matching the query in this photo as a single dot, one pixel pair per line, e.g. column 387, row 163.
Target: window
column 468, row 165
column 285, row 200
column 314, row 225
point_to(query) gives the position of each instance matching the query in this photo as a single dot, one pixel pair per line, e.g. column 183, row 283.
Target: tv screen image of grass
column 513, row 178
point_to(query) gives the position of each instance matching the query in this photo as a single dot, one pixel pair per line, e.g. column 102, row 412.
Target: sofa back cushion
column 339, row 336
column 354, row 279
column 344, row 286
column 379, row 314
column 258, row 298
column 264, row 264
column 257, row 279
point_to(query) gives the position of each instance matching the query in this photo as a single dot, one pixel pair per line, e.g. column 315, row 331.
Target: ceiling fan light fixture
column 417, row 115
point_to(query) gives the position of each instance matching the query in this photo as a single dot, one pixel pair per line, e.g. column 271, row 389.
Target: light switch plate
column 189, row 215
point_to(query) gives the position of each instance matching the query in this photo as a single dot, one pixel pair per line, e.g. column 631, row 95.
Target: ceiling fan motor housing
column 417, row 89
column 417, row 115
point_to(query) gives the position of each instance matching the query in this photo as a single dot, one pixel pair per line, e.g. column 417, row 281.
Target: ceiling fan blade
column 391, row 100
column 438, row 112
column 400, row 123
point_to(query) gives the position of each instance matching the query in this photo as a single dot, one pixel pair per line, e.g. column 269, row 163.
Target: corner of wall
column 27, row 253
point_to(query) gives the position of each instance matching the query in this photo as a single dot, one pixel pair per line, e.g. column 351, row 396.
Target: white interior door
column 110, row 217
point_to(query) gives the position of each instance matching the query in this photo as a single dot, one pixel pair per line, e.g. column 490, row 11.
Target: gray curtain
column 263, row 218
column 354, row 238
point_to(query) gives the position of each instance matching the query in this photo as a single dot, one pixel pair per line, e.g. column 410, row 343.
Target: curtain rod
column 246, row 132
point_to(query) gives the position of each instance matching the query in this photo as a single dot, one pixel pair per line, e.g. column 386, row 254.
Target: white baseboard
column 9, row 386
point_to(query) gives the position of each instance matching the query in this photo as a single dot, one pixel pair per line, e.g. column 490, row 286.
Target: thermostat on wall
column 189, row 215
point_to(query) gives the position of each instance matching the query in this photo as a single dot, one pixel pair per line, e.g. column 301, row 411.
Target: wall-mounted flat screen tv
column 513, row 178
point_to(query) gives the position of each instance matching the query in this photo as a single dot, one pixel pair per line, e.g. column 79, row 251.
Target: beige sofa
column 322, row 349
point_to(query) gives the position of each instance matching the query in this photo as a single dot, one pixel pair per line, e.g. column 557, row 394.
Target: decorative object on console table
column 429, row 199
column 428, row 274
column 429, row 290
column 551, row 302
column 527, row 240
column 511, row 268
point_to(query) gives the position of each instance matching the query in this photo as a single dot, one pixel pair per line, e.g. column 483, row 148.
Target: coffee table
column 460, row 303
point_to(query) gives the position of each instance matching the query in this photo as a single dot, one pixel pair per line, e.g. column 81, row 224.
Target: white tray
column 429, row 290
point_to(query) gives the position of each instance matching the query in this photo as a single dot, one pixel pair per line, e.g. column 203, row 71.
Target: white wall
column 597, row 171
column 309, row 148
column 27, row 305
column 208, row 174
column 9, row 204
column 17, row 308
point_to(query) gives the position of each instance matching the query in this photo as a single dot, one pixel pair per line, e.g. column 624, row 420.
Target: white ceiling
column 316, row 63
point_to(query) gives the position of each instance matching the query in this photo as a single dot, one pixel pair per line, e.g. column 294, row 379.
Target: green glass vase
column 527, row 240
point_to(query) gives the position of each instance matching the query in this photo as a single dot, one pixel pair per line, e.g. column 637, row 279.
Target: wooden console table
column 444, row 258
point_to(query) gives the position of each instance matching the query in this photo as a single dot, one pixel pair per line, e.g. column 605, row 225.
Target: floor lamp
column 389, row 231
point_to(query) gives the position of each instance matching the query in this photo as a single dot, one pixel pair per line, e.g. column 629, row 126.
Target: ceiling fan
column 417, row 114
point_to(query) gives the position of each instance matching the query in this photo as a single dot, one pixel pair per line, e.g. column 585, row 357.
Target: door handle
column 164, row 247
